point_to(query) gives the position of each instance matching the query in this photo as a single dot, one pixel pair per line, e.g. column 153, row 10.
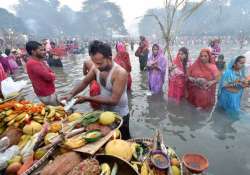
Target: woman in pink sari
column 202, row 78
column 178, row 75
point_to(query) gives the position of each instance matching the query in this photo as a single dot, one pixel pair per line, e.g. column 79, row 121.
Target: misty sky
column 130, row 8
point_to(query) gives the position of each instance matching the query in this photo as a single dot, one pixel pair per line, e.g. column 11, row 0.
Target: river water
column 224, row 141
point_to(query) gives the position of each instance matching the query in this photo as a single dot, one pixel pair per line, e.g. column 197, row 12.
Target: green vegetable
column 92, row 136
column 90, row 118
column 114, row 169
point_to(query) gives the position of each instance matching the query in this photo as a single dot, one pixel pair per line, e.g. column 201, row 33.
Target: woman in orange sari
column 202, row 78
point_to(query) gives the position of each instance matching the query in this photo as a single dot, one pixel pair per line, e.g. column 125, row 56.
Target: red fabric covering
column 41, row 76
column 122, row 58
column 94, row 90
column 197, row 96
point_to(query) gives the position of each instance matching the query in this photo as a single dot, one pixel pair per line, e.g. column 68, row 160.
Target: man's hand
column 81, row 99
column 67, row 97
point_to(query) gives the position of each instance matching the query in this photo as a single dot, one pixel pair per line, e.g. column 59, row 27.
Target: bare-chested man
column 113, row 82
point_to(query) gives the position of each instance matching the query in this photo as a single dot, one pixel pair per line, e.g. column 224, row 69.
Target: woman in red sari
column 202, row 79
column 122, row 58
column 178, row 75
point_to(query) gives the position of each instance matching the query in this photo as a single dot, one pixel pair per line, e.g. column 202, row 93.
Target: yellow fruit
column 39, row 153
column 24, row 139
column 107, row 118
column 135, row 166
column 175, row 162
column 175, row 170
column 119, row 148
column 144, row 169
column 15, row 159
column 106, row 170
column 52, row 112
column 133, row 147
column 75, row 142
column 55, row 127
column 32, row 128
column 117, row 134
column 49, row 137
column 43, row 111
column 74, row 117
column 8, row 112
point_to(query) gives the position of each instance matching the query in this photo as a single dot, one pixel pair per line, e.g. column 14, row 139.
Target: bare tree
column 171, row 22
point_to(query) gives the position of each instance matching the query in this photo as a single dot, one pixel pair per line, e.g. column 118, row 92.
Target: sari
column 142, row 52
column 156, row 76
column 197, row 96
column 228, row 100
column 12, row 63
column 2, row 73
column 177, row 80
column 122, row 58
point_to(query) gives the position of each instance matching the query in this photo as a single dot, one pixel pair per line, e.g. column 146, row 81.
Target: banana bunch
column 53, row 113
column 74, row 142
column 15, row 119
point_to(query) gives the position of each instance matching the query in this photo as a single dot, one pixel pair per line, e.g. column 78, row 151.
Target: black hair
column 156, row 45
column 238, row 59
column 221, row 57
column 52, row 43
column 100, row 47
column 184, row 62
column 31, row 46
column 7, row 52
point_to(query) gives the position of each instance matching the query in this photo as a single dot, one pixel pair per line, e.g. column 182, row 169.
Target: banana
column 11, row 122
column 43, row 111
column 21, row 116
column 58, row 115
column 10, row 117
column 16, row 124
column 25, row 118
column 144, row 169
column 8, row 112
column 135, row 166
column 59, row 108
column 39, row 120
column 51, row 113
column 106, row 170
column 74, row 143
column 38, row 117
column 24, row 139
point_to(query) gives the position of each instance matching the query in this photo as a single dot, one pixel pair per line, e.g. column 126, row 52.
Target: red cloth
column 94, row 90
column 122, row 58
column 41, row 76
column 197, row 96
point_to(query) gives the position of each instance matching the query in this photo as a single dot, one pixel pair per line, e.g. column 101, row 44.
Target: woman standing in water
column 122, row 58
column 178, row 75
column 156, row 69
column 202, row 79
column 232, row 85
